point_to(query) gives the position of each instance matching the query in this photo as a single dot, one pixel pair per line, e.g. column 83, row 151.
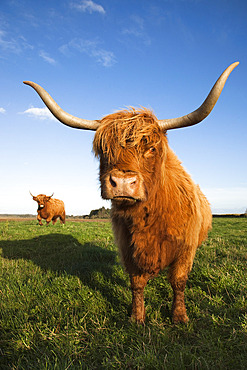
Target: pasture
column 65, row 302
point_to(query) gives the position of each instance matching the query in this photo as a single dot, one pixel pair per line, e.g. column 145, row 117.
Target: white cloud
column 88, row 6
column 40, row 113
column 2, row 110
column 137, row 29
column 92, row 49
column 13, row 45
column 104, row 57
column 47, row 58
column 8, row 44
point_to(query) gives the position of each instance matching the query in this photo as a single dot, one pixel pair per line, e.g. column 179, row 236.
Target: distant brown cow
column 159, row 215
column 49, row 209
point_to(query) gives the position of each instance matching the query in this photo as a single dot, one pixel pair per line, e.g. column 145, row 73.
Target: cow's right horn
column 31, row 194
column 60, row 114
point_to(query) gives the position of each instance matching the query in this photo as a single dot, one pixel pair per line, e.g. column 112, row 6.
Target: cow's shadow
column 64, row 253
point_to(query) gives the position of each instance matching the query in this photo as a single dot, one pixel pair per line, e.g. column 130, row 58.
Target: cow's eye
column 150, row 152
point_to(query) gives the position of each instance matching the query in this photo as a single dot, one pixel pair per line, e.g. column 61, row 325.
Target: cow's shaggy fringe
column 126, row 129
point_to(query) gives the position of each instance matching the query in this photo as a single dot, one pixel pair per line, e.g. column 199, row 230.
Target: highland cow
column 159, row 215
column 49, row 209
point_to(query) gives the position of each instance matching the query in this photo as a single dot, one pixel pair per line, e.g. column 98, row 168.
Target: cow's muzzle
column 123, row 187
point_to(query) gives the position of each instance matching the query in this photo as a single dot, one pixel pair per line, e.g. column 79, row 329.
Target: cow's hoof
column 137, row 320
column 180, row 318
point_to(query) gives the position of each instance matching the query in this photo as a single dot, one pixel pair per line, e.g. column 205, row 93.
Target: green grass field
column 65, row 302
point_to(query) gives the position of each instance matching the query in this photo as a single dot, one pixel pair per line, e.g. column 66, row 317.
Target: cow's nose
column 124, row 185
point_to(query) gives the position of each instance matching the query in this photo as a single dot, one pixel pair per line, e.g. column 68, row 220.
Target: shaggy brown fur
column 49, row 209
column 159, row 215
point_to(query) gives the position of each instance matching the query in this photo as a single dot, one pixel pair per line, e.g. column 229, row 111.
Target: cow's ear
column 47, row 198
column 35, row 198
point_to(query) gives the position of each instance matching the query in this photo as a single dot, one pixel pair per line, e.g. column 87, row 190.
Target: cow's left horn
column 60, row 114
column 206, row 107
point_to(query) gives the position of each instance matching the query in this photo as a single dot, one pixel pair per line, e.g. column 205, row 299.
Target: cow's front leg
column 138, row 283
column 178, row 307
column 48, row 220
column 178, row 275
column 39, row 220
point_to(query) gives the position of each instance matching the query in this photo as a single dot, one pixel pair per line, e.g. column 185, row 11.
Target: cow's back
column 55, row 206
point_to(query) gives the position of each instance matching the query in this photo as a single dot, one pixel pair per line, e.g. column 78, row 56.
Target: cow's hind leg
column 62, row 218
column 54, row 220
column 138, row 283
column 178, row 275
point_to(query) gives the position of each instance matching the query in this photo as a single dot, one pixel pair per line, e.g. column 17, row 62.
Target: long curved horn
column 203, row 111
column 31, row 194
column 60, row 114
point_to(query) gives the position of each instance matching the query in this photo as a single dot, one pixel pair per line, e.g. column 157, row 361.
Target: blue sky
column 95, row 57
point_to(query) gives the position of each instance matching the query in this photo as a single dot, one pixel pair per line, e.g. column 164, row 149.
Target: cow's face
column 131, row 147
column 41, row 199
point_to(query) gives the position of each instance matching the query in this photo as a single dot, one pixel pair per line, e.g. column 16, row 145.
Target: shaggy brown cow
column 49, row 209
column 159, row 215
